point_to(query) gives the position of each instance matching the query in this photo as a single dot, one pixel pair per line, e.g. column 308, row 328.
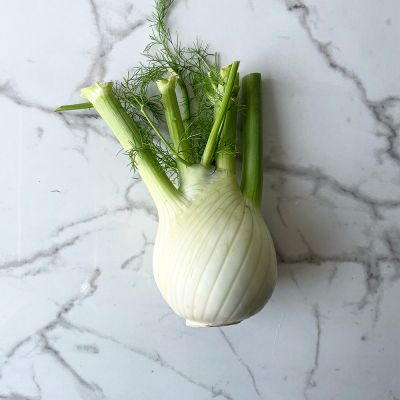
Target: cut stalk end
column 128, row 134
column 174, row 121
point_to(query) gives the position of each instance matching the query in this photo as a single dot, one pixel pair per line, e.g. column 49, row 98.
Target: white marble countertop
column 80, row 314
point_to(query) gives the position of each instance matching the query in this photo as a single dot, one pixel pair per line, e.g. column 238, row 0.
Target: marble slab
column 80, row 314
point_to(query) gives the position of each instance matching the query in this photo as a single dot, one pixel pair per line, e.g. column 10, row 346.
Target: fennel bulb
column 214, row 259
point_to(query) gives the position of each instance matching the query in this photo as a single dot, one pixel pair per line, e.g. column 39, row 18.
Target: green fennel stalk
column 163, row 133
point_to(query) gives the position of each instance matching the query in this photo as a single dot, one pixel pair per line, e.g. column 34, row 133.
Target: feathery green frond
column 197, row 70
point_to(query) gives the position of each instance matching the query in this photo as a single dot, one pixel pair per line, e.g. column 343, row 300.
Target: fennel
column 175, row 115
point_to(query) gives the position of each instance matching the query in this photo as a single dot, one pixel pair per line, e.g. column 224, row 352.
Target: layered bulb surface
column 214, row 259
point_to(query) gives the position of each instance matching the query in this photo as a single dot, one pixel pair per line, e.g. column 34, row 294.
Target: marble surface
column 80, row 315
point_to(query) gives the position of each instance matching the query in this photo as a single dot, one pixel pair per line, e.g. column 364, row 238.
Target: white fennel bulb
column 214, row 260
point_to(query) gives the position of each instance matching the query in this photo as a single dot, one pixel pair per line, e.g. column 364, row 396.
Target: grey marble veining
column 80, row 315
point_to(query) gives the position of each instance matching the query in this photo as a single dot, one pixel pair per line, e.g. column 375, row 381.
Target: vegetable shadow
column 294, row 253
